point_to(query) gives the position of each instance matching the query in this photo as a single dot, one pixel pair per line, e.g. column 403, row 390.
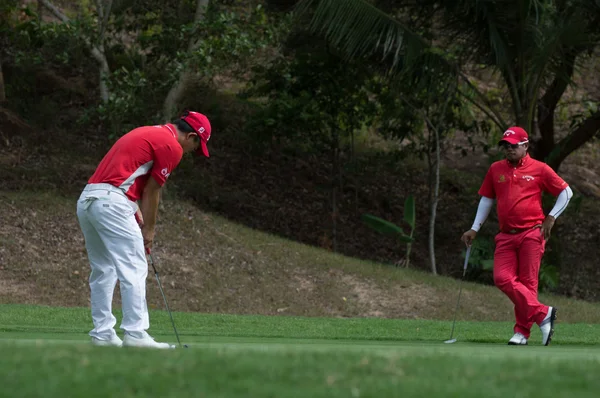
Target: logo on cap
column 508, row 132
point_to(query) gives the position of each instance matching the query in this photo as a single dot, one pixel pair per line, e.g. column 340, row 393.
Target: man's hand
column 139, row 218
column 468, row 237
column 547, row 227
column 148, row 234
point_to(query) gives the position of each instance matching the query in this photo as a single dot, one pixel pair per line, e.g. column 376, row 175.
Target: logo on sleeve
column 165, row 172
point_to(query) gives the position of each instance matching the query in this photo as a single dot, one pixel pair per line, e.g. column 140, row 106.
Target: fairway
column 46, row 352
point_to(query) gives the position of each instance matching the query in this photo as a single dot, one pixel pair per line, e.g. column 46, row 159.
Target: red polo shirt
column 518, row 191
column 141, row 153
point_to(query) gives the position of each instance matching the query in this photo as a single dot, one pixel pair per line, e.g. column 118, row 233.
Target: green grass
column 45, row 352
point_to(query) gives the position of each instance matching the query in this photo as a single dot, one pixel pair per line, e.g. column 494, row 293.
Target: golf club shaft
column 456, row 310
column 460, row 289
column 164, row 298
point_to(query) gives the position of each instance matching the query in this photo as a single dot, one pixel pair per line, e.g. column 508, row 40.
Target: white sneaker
column 517, row 339
column 547, row 326
column 145, row 341
column 115, row 341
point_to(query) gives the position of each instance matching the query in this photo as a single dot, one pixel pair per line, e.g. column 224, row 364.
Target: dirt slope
column 208, row 264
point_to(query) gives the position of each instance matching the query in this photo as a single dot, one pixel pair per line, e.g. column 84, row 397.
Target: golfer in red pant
column 516, row 184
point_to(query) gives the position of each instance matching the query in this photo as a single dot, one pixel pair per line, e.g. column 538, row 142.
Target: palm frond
column 361, row 29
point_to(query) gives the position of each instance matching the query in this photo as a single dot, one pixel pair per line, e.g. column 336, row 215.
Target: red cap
column 200, row 123
column 515, row 135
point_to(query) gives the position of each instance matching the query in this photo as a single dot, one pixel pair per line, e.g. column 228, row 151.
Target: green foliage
column 35, row 49
column 130, row 102
column 387, row 228
column 312, row 99
column 548, row 277
column 224, row 44
column 533, row 46
column 482, row 254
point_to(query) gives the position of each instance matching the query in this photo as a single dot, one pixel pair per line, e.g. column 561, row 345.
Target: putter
column 164, row 297
column 451, row 340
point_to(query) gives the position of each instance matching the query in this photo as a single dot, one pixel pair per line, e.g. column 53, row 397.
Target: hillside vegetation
column 306, row 141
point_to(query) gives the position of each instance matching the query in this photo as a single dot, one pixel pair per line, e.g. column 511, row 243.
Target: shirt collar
column 171, row 129
column 523, row 162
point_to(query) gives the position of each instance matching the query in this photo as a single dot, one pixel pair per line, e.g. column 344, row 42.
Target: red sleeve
column 487, row 187
column 551, row 182
column 166, row 158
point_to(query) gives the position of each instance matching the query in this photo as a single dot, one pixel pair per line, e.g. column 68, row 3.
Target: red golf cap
column 200, row 123
column 515, row 135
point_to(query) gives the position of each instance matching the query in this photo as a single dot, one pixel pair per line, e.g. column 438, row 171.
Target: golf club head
column 451, row 341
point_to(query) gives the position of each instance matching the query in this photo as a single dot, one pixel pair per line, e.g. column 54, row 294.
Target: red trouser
column 516, row 267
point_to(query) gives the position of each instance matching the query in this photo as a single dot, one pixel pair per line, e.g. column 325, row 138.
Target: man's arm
column 561, row 204
column 150, row 200
column 562, row 201
column 488, row 193
column 483, row 211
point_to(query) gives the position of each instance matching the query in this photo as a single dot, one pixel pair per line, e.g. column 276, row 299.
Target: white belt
column 105, row 187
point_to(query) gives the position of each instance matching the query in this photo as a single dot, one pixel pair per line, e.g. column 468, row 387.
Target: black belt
column 519, row 230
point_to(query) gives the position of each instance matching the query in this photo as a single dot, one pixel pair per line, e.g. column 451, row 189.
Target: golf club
column 451, row 340
column 164, row 297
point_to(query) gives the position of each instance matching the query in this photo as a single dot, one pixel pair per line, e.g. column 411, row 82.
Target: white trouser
column 115, row 248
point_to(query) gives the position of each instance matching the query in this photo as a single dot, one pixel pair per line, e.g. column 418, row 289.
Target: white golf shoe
column 143, row 339
column 517, row 339
column 115, row 341
column 547, row 326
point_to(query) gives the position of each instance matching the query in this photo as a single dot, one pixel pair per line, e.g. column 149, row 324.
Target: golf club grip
column 467, row 255
column 152, row 264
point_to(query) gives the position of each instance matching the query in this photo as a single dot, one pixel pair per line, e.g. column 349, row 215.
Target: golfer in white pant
column 118, row 232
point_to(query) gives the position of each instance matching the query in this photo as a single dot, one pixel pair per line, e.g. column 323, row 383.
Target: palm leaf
column 385, row 227
column 361, row 29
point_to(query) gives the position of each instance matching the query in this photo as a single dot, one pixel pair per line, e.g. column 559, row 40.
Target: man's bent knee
column 503, row 283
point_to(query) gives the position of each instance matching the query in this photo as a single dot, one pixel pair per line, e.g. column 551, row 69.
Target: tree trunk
column 104, row 72
column 435, row 187
column 434, row 181
column 186, row 77
column 547, row 107
column 2, row 88
column 336, row 173
column 96, row 51
column 175, row 93
column 585, row 132
column 40, row 10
